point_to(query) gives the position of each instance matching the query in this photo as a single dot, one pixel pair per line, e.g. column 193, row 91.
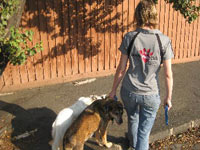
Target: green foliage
column 14, row 43
column 17, row 48
column 186, row 7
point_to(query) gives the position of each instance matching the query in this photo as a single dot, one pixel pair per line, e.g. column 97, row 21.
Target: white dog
column 65, row 118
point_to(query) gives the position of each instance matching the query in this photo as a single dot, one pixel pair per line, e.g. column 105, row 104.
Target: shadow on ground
column 37, row 123
column 37, row 120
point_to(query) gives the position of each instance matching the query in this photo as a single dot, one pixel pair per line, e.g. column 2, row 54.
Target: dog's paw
column 100, row 144
column 108, row 144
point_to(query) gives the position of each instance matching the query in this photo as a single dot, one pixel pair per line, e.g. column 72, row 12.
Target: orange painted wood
column 101, row 36
column 107, row 35
column 189, row 50
column 162, row 14
column 182, row 38
column 66, row 37
column 44, row 37
column 36, row 38
column 81, row 38
column 119, row 29
column 131, row 12
column 94, row 35
column 59, row 38
column 2, row 82
column 7, row 74
column 198, row 39
column 27, row 16
column 23, row 68
column 113, row 35
column 51, row 37
column 193, row 42
column 166, row 19
column 174, row 27
column 88, row 39
column 80, row 6
column 170, row 27
column 16, row 78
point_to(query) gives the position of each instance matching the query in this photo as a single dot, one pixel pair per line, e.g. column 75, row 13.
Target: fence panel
column 81, row 39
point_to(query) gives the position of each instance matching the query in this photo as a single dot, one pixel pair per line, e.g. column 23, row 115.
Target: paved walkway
column 35, row 109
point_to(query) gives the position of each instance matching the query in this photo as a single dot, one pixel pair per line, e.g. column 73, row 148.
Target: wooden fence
column 81, row 39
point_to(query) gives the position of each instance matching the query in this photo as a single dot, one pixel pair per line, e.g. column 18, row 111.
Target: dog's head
column 114, row 109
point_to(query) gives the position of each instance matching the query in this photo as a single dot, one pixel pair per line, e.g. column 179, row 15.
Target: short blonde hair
column 146, row 14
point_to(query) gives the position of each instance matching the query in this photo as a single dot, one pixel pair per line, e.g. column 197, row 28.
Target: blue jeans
column 141, row 111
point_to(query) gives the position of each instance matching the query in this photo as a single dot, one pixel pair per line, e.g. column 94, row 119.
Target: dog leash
column 166, row 114
column 115, row 98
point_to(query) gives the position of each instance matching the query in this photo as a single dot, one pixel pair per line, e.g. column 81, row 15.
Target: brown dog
column 94, row 119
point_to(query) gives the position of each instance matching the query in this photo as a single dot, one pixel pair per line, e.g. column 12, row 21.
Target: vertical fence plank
column 113, row 38
column 198, row 33
column 2, row 82
column 44, row 38
column 36, row 38
column 59, row 38
column 119, row 27
column 50, row 37
column 23, row 73
column 182, row 33
column 52, row 42
column 15, row 74
column 7, row 74
column 162, row 13
column 197, row 37
column 98, row 33
column 170, row 25
column 81, row 36
column 166, row 19
column 184, row 41
column 101, row 29
column 174, row 24
column 131, row 12
column 87, row 36
column 23, row 68
column 179, row 38
column 195, row 42
column 66, row 37
column 177, row 49
column 158, row 11
column 193, row 39
column 107, row 34
column 26, row 24
column 125, row 16
column 94, row 35
column 189, row 40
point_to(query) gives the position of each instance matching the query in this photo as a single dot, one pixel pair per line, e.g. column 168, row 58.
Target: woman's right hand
column 112, row 94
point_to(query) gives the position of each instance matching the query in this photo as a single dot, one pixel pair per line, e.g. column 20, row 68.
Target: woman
column 145, row 48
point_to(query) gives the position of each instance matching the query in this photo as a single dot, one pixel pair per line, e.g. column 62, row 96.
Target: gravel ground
column 189, row 140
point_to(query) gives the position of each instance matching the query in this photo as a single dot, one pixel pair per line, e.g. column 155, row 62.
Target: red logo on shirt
column 146, row 54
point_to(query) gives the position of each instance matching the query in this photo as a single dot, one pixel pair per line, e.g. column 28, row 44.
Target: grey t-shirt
column 145, row 59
